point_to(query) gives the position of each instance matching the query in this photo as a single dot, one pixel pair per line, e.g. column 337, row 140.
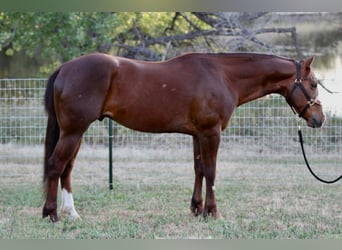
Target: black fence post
column 110, row 130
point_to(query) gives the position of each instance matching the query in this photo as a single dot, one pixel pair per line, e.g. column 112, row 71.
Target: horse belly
column 145, row 119
column 149, row 110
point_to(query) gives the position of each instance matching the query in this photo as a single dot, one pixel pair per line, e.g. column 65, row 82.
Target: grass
column 151, row 199
column 247, row 212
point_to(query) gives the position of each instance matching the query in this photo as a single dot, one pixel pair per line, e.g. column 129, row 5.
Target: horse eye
column 314, row 84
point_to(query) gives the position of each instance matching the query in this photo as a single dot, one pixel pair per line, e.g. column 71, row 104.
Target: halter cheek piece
column 298, row 84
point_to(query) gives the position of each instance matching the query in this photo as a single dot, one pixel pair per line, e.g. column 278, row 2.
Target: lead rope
column 307, row 163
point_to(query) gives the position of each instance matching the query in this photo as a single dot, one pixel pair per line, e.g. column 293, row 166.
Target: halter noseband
column 298, row 83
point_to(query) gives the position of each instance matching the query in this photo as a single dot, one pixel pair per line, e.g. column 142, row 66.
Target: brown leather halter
column 310, row 102
column 298, row 84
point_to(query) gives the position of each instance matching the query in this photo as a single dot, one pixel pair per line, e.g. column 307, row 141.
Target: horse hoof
column 71, row 214
column 196, row 208
column 211, row 213
column 74, row 217
column 53, row 217
column 196, row 211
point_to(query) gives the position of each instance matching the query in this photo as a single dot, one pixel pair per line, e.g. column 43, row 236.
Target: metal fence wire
column 262, row 130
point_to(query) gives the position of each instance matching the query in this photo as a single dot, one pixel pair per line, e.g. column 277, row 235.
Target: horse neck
column 259, row 76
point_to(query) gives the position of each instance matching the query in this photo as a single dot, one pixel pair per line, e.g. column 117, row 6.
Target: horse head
column 303, row 95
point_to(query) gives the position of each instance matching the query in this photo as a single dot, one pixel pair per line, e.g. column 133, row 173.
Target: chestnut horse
column 194, row 94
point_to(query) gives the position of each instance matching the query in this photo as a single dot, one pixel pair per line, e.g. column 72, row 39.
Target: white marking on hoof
column 213, row 188
column 68, row 206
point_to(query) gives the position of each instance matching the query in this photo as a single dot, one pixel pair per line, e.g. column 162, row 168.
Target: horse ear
column 308, row 63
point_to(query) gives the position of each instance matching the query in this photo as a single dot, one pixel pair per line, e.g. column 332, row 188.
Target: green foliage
column 55, row 37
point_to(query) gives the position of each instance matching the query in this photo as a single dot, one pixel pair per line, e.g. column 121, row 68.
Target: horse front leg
column 197, row 201
column 209, row 144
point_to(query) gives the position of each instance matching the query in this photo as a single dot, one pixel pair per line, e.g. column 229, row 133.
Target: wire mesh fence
column 263, row 131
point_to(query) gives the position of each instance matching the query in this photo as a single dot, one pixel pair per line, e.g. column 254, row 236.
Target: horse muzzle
column 316, row 121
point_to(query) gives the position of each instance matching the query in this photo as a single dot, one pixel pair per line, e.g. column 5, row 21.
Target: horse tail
column 52, row 129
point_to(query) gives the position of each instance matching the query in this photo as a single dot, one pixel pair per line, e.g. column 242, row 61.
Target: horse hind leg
column 68, row 206
column 64, row 152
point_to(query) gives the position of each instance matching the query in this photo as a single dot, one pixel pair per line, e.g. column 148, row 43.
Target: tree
column 55, row 35
column 52, row 38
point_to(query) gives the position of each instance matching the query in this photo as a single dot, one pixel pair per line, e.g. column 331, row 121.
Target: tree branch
column 223, row 25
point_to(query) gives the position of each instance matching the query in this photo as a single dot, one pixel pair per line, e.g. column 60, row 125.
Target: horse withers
column 194, row 94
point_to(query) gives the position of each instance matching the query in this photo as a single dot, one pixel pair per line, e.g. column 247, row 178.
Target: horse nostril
column 314, row 123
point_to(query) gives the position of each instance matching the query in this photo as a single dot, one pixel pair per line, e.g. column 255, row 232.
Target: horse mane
column 251, row 55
